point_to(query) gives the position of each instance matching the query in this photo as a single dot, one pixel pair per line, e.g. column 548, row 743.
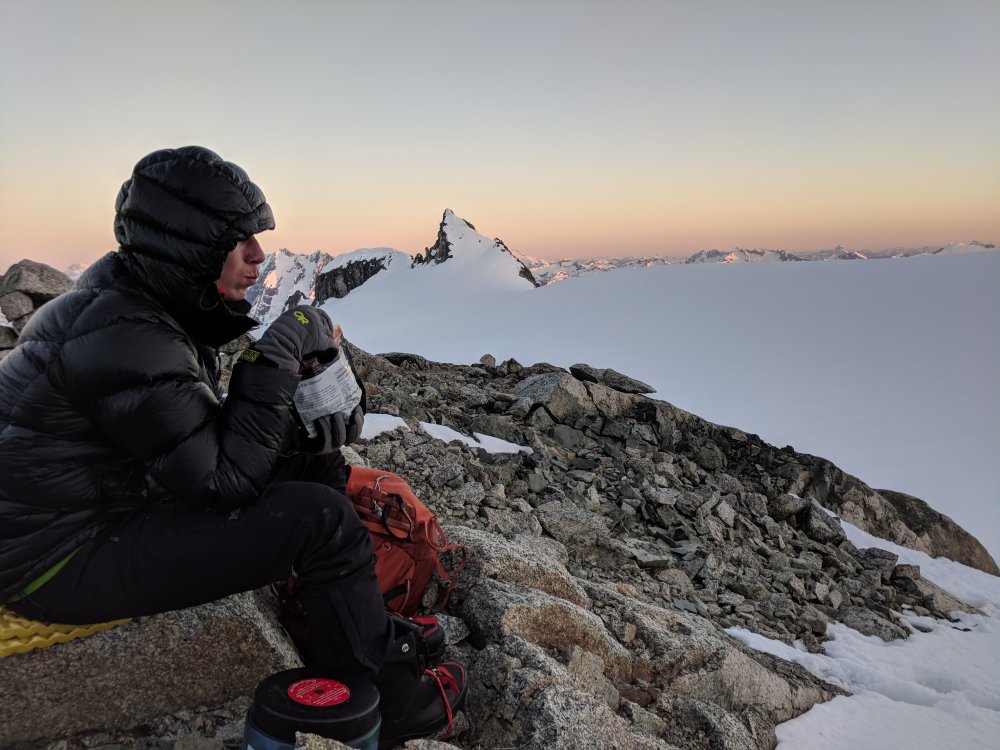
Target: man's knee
column 325, row 516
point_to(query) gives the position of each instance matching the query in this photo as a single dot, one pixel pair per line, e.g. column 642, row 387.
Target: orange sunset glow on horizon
column 569, row 130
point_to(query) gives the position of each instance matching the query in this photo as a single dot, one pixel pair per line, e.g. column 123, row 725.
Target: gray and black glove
column 293, row 337
column 334, row 431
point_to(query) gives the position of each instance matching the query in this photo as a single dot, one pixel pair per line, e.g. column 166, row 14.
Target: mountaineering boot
column 416, row 700
column 428, row 631
column 292, row 616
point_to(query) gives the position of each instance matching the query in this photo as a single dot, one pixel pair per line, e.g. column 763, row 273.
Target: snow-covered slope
column 950, row 249
column 940, row 688
column 467, row 251
column 960, row 248
column 475, row 276
column 286, row 279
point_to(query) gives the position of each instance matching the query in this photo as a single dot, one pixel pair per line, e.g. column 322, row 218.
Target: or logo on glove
column 290, row 340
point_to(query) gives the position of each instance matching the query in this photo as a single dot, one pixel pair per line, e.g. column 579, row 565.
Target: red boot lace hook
column 445, row 681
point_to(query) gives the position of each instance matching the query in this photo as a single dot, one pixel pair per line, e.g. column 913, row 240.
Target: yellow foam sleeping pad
column 19, row 634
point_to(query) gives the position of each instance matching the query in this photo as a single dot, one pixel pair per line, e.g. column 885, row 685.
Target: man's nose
column 256, row 255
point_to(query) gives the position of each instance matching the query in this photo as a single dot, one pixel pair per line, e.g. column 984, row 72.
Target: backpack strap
column 387, row 510
column 399, row 590
column 439, row 545
column 382, row 506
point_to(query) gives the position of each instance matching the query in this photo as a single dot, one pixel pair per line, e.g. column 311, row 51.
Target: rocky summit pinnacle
column 440, row 251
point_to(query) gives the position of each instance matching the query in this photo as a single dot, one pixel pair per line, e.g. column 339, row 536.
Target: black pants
column 173, row 556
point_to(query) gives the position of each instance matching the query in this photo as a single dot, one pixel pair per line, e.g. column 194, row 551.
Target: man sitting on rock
column 129, row 487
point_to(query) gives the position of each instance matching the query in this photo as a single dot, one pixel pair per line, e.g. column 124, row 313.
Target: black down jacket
column 110, row 399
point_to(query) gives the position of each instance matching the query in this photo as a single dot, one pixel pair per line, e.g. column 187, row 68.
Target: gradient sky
column 568, row 129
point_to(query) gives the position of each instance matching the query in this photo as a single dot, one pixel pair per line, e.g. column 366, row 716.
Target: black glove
column 296, row 334
column 334, row 431
column 355, row 425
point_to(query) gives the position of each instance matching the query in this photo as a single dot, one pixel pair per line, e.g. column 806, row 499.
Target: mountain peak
column 451, row 216
column 457, row 238
column 288, row 279
column 842, row 253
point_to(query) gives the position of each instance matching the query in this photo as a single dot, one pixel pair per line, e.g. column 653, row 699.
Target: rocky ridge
column 608, row 556
column 340, row 281
column 26, row 286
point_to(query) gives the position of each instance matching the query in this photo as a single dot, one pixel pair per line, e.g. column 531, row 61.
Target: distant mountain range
column 548, row 271
column 288, row 279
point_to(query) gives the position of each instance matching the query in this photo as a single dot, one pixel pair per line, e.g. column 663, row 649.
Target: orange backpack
column 408, row 538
